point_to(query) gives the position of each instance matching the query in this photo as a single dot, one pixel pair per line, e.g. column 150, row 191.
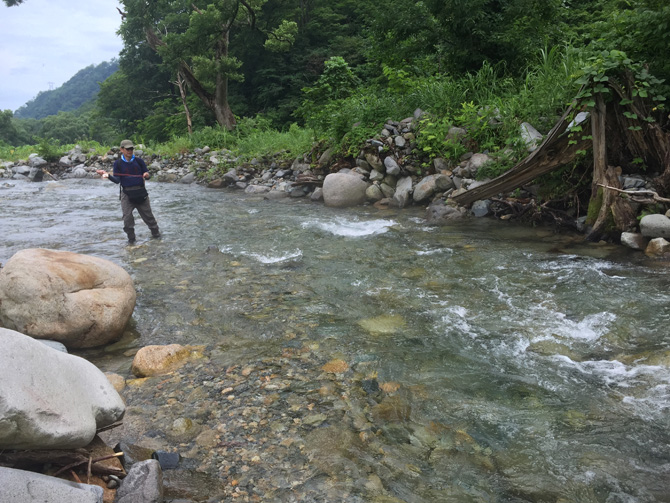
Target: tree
column 193, row 41
column 473, row 31
column 12, row 3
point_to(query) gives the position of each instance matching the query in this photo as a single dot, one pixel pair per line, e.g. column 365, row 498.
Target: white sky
column 48, row 41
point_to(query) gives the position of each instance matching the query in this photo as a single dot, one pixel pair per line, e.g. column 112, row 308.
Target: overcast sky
column 43, row 43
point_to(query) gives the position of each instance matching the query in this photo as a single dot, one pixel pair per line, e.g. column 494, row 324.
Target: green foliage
column 614, row 67
column 432, row 141
column 65, row 127
column 337, row 82
column 10, row 153
column 49, row 149
column 11, row 132
column 253, row 138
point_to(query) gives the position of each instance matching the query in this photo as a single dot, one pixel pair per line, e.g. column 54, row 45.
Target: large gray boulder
column 655, row 226
column 50, row 399
column 341, row 190
column 20, row 486
column 79, row 300
column 424, row 189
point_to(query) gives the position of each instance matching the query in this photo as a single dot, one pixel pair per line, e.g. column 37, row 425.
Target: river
column 361, row 355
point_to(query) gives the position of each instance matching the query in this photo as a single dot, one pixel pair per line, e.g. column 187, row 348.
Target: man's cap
column 127, row 144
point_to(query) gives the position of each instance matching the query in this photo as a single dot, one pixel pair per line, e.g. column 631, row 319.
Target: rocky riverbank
column 387, row 172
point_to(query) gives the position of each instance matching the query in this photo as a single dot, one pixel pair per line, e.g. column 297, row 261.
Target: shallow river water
column 361, row 355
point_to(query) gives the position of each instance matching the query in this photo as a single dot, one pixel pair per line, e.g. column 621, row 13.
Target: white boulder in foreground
column 50, row 399
column 19, row 486
column 79, row 300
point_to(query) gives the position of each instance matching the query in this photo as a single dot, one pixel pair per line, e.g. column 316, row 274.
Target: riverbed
column 361, row 355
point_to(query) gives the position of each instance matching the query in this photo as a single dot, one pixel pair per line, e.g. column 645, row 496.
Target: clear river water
column 524, row 365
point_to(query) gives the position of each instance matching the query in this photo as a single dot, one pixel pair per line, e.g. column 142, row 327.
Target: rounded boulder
column 341, row 190
column 78, row 300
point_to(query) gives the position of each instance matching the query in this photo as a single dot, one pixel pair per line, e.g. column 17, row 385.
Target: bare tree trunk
column 598, row 116
column 224, row 115
column 182, row 93
column 615, row 214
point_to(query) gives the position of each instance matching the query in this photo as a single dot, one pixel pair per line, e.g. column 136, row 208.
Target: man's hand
column 146, row 175
column 102, row 173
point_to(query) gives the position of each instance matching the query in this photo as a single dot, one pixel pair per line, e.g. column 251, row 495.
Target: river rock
column 257, row 189
column 480, row 208
column 143, row 484
column 341, row 190
column 424, row 189
column 657, row 247
column 79, row 300
column 439, row 213
column 187, row 179
column 157, row 360
column 655, row 226
column 531, row 136
column 391, row 165
column 385, row 324
column 402, row 192
column 476, row 162
column 374, row 193
column 20, row 486
column 634, row 240
column 50, row 399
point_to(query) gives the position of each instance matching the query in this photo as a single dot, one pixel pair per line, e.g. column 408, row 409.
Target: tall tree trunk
column 224, row 115
column 182, row 93
column 218, row 102
column 598, row 121
column 615, row 214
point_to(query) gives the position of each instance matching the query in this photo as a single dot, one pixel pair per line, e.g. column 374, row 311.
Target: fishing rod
column 103, row 172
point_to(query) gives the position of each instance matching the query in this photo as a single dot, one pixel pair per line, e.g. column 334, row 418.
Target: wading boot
column 131, row 235
column 155, row 233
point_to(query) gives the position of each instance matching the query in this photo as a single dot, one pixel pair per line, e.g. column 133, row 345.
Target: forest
column 301, row 75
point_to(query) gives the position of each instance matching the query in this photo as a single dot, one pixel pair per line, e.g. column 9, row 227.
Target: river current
column 531, row 366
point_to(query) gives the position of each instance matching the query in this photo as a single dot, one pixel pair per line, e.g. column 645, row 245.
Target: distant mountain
column 79, row 90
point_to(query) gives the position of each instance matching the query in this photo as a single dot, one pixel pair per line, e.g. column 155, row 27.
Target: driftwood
column 640, row 196
column 311, row 180
column 35, row 459
column 555, row 151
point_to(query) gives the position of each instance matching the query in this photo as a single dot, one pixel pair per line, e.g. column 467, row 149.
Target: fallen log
column 557, row 149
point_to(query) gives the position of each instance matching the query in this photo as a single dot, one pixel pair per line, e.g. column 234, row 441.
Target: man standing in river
column 130, row 172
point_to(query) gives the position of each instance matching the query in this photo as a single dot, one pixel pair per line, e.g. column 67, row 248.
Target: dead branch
column 637, row 196
column 109, row 427
column 97, row 469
